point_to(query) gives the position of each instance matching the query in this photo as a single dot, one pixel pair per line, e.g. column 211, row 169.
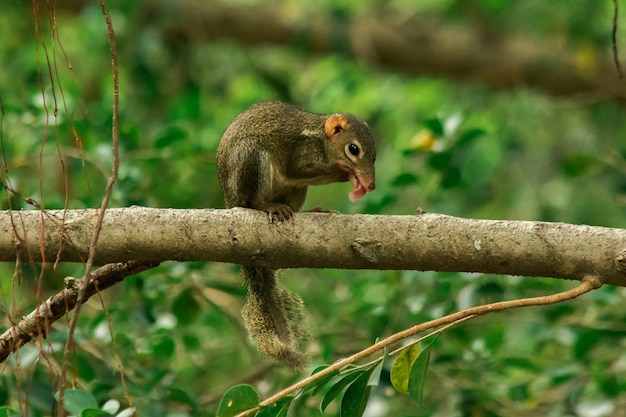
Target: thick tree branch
column 319, row 240
column 420, row 45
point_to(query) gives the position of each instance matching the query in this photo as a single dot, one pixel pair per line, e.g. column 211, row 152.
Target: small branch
column 39, row 320
column 589, row 283
column 614, row 39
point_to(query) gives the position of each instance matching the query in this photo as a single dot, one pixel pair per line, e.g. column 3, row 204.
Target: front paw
column 277, row 212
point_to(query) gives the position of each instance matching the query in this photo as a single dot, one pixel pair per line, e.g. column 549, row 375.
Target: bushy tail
column 274, row 317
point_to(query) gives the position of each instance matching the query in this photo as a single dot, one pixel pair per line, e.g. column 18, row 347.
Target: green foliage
column 175, row 333
column 237, row 399
column 356, row 396
column 408, row 372
column 8, row 412
column 337, row 388
column 82, row 404
column 353, row 384
column 279, row 409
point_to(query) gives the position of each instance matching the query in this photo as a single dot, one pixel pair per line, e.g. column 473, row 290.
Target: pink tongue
column 357, row 193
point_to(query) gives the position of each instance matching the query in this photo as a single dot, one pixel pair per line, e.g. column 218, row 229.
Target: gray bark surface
column 319, row 240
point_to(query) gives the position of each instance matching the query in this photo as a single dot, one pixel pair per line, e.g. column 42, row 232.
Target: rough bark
column 319, row 240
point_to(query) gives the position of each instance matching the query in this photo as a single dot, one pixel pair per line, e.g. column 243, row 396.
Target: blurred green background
column 447, row 144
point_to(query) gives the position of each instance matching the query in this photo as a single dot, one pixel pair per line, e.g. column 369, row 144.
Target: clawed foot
column 277, row 212
column 321, row 210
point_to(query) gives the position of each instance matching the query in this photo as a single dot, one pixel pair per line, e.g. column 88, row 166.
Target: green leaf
column 85, row 368
column 405, row 178
column 418, row 375
column 320, row 383
column 440, row 161
column 376, row 372
column 355, row 399
column 469, row 136
column 579, row 164
column 521, row 363
column 236, row 400
column 181, row 396
column 186, row 308
column 278, row 409
column 608, row 384
column 170, row 135
column 401, row 368
column 451, row 178
column 163, row 345
column 519, row 393
column 93, row 412
column 75, row 401
column 336, row 389
column 586, row 341
column 436, row 125
column 8, row 412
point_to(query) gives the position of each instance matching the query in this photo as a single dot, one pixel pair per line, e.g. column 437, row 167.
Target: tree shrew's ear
column 335, row 124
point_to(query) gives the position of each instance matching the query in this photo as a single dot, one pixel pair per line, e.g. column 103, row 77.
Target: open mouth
column 359, row 189
column 361, row 186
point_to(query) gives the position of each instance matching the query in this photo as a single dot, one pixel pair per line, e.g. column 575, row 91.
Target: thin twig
column 614, row 38
column 588, row 283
